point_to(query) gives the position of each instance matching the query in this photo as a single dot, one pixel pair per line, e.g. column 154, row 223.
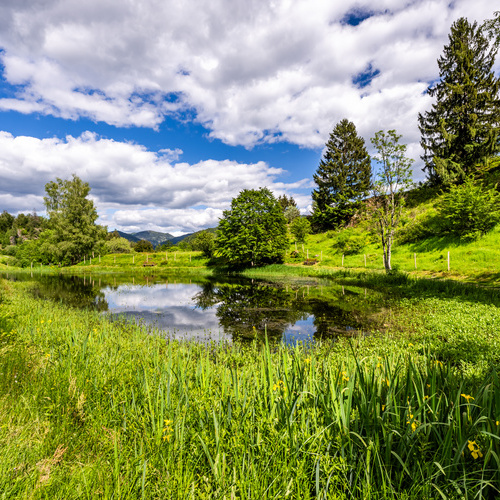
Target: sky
column 169, row 108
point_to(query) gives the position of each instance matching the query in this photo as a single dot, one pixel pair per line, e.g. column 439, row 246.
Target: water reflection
column 215, row 309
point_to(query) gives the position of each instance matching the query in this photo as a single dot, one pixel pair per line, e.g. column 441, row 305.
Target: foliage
column 461, row 130
column 300, row 228
column 72, row 219
column 118, row 245
column 389, row 186
column 286, row 202
column 342, row 177
column 376, row 419
column 291, row 213
column 418, row 227
column 143, row 246
column 205, row 243
column 254, row 230
column 350, row 242
column 470, row 210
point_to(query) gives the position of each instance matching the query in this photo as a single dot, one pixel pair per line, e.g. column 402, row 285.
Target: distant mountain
column 155, row 237
column 129, row 237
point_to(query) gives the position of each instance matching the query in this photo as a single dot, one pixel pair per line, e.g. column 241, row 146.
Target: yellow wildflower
column 467, row 397
column 307, row 360
column 474, row 449
column 279, row 386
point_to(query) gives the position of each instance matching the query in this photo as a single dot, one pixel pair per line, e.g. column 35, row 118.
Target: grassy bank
column 93, row 409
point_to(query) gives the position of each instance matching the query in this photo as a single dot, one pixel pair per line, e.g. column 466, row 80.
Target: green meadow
column 97, row 409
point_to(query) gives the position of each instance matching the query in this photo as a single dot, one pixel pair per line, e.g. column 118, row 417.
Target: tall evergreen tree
column 342, row 177
column 461, row 131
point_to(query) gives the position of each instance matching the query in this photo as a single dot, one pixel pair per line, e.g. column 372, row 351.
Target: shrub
column 470, row 210
column 350, row 242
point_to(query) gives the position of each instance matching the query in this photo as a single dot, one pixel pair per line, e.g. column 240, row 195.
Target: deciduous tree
column 254, row 230
column 390, row 181
column 72, row 218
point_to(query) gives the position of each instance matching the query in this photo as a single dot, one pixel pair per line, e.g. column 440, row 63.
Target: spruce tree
column 342, row 177
column 461, row 130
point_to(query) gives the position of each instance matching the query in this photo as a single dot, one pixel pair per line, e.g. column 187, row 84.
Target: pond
column 220, row 309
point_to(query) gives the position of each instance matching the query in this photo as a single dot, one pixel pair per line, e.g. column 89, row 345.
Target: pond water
column 219, row 309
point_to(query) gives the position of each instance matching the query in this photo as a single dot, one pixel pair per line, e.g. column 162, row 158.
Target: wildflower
column 474, row 449
column 47, row 355
column 413, row 423
column 498, row 422
column 279, row 386
column 383, row 407
column 167, row 430
column 307, row 360
column 410, row 345
column 345, row 378
column 467, row 397
column 426, row 397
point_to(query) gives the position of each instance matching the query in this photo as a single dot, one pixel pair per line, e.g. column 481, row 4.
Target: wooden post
column 90, row 261
column 99, row 258
column 133, row 259
column 175, row 256
column 147, row 257
column 114, row 259
column 166, row 256
column 415, row 259
column 448, row 260
column 84, row 259
column 307, row 254
column 342, row 260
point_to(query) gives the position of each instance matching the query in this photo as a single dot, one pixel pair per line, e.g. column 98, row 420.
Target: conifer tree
column 461, row 130
column 342, row 177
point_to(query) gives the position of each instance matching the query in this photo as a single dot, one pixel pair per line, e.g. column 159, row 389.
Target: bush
column 118, row 245
column 350, row 242
column 470, row 210
column 300, row 228
column 419, row 227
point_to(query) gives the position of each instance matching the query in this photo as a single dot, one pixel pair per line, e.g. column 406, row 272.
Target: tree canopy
column 343, row 178
column 390, row 182
column 254, row 231
column 72, row 217
column 462, row 128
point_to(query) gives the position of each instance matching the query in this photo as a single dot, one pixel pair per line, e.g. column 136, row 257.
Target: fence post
column 342, row 260
column 415, row 258
column 448, row 260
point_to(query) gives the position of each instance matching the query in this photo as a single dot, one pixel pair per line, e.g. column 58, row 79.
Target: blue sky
column 168, row 109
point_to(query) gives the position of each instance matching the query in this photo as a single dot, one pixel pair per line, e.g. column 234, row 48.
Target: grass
column 94, row 409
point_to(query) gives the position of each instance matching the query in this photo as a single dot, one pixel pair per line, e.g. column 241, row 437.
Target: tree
column 389, row 184
column 72, row 219
column 470, row 210
column 143, row 246
column 300, row 228
column 291, row 213
column 205, row 243
column 254, row 230
column 461, row 131
column 343, row 178
column 286, row 202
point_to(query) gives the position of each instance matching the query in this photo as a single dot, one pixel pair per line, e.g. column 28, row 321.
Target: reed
column 92, row 409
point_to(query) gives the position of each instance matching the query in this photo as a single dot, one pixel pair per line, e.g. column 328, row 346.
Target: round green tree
column 254, row 231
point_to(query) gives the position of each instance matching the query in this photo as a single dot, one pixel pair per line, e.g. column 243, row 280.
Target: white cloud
column 252, row 70
column 133, row 188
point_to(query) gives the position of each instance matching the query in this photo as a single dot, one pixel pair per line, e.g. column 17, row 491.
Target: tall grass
column 93, row 409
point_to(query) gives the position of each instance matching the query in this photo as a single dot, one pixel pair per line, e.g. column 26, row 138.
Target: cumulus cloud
column 133, row 188
column 251, row 71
